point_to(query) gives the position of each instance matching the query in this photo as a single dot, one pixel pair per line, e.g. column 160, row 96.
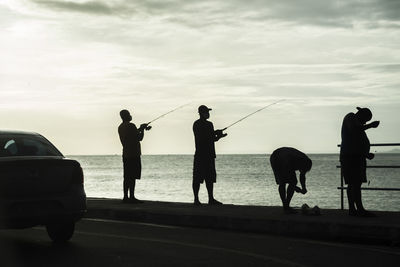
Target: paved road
column 113, row 243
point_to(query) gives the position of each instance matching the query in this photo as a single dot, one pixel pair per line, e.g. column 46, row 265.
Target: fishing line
column 165, row 114
column 258, row 110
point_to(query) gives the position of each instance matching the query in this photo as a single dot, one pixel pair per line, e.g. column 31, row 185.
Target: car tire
column 60, row 232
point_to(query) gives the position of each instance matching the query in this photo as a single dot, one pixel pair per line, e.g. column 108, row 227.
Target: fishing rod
column 258, row 110
column 165, row 114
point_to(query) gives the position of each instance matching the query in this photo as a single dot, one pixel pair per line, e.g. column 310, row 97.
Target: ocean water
column 241, row 180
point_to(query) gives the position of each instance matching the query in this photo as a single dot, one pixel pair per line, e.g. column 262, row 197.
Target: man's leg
column 196, row 188
column 132, row 189
column 357, row 197
column 210, row 191
column 286, row 195
column 126, row 189
column 126, row 181
column 211, row 179
column 350, row 199
column 358, row 200
column 289, row 193
column 282, row 194
column 137, row 173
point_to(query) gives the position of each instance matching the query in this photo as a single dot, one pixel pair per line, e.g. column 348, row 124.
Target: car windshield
column 19, row 145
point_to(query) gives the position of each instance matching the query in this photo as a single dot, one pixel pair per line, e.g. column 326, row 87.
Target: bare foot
column 134, row 200
column 214, row 202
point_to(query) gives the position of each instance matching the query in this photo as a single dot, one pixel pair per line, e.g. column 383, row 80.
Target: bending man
column 285, row 161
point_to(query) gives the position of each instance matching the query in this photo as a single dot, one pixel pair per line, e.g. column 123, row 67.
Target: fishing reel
column 220, row 133
column 145, row 126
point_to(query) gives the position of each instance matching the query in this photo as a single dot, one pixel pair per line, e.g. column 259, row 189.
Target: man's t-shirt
column 290, row 158
column 204, row 137
column 285, row 161
column 130, row 139
column 354, row 139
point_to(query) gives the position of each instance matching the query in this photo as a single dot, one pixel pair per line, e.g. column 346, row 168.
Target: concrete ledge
column 331, row 225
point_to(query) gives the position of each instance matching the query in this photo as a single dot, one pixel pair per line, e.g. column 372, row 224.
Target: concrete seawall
column 331, row 225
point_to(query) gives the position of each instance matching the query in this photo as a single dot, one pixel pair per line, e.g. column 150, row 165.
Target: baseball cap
column 204, row 109
column 366, row 113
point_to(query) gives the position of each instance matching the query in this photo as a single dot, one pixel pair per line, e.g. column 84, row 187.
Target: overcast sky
column 67, row 67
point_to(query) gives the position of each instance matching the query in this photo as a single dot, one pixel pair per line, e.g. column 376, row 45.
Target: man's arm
column 303, row 182
column 351, row 121
column 120, row 136
column 218, row 134
column 373, row 124
column 141, row 129
column 140, row 134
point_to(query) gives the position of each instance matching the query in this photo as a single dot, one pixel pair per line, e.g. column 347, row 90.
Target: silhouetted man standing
column 204, row 157
column 130, row 137
column 354, row 151
column 285, row 161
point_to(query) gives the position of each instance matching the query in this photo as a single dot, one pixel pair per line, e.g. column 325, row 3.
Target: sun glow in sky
column 67, row 67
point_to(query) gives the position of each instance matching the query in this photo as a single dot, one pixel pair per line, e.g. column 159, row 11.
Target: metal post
column 341, row 190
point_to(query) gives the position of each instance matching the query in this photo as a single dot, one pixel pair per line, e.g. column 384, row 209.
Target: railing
column 342, row 188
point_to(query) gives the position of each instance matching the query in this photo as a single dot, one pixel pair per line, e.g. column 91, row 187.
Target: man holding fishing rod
column 204, row 158
column 131, row 137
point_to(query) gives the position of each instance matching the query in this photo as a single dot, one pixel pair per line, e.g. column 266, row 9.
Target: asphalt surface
column 116, row 243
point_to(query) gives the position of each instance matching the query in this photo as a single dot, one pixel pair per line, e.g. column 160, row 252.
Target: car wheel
column 60, row 232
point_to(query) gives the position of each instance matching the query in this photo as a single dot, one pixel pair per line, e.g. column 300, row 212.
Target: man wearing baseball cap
column 204, row 158
column 354, row 150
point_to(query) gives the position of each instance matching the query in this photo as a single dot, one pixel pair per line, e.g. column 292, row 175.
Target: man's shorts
column 354, row 169
column 283, row 172
column 204, row 170
column 132, row 168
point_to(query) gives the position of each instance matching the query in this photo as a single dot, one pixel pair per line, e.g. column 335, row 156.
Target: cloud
column 89, row 59
column 91, row 7
column 339, row 13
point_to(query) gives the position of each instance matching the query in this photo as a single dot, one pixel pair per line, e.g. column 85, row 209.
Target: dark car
column 39, row 186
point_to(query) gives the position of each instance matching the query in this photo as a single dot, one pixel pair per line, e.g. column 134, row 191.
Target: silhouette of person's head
column 125, row 115
column 364, row 114
column 204, row 112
